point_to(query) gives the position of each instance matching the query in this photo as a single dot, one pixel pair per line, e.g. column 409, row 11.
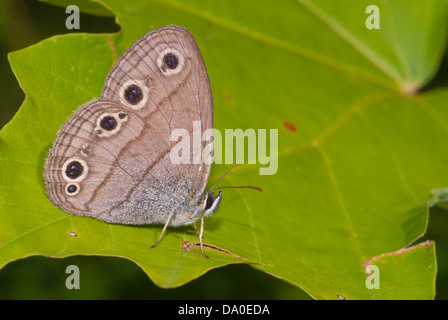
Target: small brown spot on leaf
column 289, row 126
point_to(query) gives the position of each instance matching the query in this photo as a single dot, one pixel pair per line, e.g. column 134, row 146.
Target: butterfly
column 112, row 158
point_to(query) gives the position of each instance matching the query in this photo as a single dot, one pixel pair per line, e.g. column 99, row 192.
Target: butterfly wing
column 167, row 67
column 125, row 175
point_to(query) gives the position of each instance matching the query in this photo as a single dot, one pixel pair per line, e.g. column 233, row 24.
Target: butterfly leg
column 164, row 228
column 195, row 228
column 200, row 237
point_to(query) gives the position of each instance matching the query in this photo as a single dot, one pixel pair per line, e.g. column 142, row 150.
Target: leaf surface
column 359, row 149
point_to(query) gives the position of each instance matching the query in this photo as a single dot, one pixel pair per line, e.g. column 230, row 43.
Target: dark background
column 26, row 22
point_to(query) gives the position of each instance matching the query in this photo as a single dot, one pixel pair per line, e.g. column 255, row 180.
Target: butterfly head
column 211, row 203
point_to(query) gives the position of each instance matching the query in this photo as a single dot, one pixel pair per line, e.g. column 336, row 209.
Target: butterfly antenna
column 231, row 187
column 239, row 187
column 211, row 190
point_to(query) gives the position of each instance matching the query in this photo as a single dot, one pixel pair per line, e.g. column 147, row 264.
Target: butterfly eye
column 208, row 203
column 211, row 204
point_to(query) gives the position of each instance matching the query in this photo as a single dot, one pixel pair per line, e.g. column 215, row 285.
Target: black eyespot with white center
column 108, row 123
column 74, row 170
column 72, row 188
column 171, row 60
column 133, row 94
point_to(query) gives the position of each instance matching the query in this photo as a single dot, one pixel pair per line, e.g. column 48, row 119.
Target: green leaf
column 359, row 148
